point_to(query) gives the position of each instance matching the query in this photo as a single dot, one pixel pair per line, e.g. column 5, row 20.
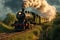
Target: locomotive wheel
column 27, row 26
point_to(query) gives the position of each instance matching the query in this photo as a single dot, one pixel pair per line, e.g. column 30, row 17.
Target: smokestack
column 47, row 11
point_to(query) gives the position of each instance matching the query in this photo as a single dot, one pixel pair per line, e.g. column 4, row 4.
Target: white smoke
column 32, row 3
column 46, row 9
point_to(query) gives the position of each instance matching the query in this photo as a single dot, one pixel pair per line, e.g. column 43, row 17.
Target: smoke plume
column 46, row 9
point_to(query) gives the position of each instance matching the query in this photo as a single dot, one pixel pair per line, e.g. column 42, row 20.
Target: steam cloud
column 46, row 9
column 7, row 6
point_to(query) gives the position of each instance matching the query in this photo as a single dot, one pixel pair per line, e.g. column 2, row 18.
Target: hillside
column 31, row 34
column 49, row 31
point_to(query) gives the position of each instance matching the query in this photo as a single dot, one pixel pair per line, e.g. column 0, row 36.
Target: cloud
column 14, row 5
column 47, row 11
column 3, row 10
column 9, row 6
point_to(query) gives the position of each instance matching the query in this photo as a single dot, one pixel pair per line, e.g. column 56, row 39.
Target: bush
column 5, row 28
column 10, row 19
column 54, row 32
column 36, row 32
column 57, row 20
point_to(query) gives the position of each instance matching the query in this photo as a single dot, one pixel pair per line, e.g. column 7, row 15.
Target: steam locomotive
column 25, row 19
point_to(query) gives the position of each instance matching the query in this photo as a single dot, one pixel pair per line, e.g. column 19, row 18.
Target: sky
column 12, row 6
column 56, row 3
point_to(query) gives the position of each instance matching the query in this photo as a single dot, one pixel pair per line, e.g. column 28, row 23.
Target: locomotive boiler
column 25, row 20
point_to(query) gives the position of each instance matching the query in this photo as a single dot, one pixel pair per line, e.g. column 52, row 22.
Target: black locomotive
column 25, row 19
column 22, row 23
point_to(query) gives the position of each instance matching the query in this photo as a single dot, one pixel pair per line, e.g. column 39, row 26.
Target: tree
column 54, row 32
column 57, row 20
column 10, row 19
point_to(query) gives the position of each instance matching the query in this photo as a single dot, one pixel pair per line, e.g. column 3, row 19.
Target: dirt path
column 4, row 36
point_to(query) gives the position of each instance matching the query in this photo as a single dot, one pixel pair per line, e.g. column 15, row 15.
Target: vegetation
column 29, row 35
column 45, row 31
column 5, row 28
column 5, row 25
column 55, row 31
column 10, row 19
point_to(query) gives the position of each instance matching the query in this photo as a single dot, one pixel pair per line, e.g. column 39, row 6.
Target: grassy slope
column 5, row 28
column 26, row 35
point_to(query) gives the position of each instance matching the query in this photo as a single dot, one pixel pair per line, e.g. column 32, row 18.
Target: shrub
column 5, row 28
column 10, row 19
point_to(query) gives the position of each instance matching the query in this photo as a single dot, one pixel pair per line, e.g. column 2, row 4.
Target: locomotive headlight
column 19, row 13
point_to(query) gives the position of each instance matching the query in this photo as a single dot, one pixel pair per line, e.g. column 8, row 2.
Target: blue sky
column 56, row 3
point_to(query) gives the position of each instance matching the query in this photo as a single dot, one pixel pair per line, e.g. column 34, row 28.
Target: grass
column 29, row 35
column 5, row 28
